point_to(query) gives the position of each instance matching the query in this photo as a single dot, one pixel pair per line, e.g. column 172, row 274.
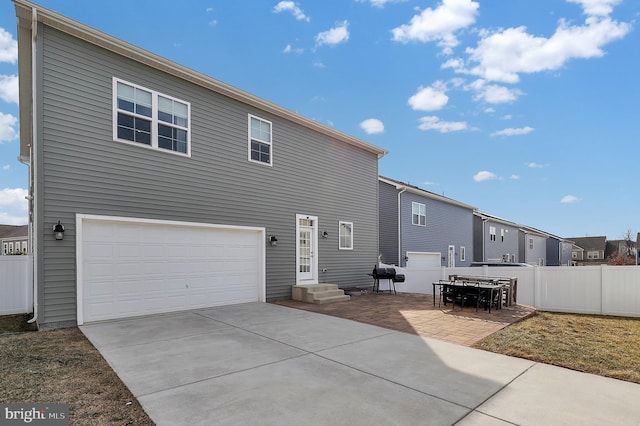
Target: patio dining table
column 490, row 291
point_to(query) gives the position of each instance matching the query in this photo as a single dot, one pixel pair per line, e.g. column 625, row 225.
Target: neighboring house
column 622, row 248
column 14, row 239
column 589, row 250
column 415, row 220
column 500, row 240
column 176, row 191
column 637, row 251
column 556, row 251
column 496, row 239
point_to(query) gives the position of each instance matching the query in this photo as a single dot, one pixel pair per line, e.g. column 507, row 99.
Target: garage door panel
column 136, row 268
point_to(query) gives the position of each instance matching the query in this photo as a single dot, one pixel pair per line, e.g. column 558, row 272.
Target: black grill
column 380, row 273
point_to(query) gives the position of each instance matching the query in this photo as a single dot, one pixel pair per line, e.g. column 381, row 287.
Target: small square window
column 345, row 235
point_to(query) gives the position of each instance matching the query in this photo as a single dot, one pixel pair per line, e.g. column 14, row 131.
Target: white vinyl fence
column 600, row 290
column 16, row 284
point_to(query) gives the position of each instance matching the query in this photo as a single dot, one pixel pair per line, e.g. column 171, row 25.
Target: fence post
column 603, row 279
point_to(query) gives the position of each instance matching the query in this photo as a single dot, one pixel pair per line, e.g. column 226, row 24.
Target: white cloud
column 6, row 167
column 338, row 34
column 511, row 131
column 290, row 49
column 504, row 54
column 430, row 98
column 568, row 199
column 439, row 24
column 8, row 131
column 380, row 3
column 293, row 8
column 489, row 110
column 428, row 183
column 492, row 93
column 209, row 9
column 596, row 7
column 434, row 123
column 533, row 165
column 372, row 126
column 514, row 177
column 8, row 47
column 484, row 175
column 507, row 117
column 13, row 206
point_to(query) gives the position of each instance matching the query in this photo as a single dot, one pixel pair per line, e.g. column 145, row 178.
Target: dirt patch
column 62, row 366
column 16, row 324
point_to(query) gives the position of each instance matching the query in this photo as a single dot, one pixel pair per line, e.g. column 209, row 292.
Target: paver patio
column 415, row 314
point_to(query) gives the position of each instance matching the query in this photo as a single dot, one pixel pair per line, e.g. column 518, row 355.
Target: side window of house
column 492, row 233
column 145, row 117
column 531, row 243
column 502, row 235
column 418, row 214
column 463, row 254
column 5, row 248
column 260, row 144
column 345, row 235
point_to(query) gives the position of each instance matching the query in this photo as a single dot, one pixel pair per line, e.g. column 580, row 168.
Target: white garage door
column 132, row 267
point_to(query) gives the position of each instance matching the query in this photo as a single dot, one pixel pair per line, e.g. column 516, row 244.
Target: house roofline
column 24, row 13
column 415, row 190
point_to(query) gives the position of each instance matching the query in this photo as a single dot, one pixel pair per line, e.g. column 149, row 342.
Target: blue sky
column 527, row 110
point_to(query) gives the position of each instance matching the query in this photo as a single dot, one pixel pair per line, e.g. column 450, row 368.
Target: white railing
column 600, row 290
column 16, row 284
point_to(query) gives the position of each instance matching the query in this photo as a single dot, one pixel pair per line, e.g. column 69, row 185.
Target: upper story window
column 146, row 117
column 492, row 233
column 418, row 214
column 593, row 254
column 259, row 140
column 345, row 235
column 502, row 234
column 531, row 243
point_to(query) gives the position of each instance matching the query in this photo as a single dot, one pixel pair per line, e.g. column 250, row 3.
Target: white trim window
column 463, row 253
column 418, row 214
column 345, row 235
column 147, row 118
column 594, row 254
column 530, row 243
column 492, row 233
column 260, row 145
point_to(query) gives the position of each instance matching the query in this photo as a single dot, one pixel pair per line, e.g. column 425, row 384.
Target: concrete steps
column 318, row 293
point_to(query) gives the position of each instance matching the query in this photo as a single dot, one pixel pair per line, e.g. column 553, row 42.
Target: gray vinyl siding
column 388, row 227
column 478, row 239
column 553, row 252
column 446, row 224
column 498, row 250
column 538, row 254
column 86, row 171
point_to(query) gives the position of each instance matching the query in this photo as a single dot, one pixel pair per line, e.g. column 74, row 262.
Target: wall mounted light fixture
column 325, row 234
column 58, row 231
column 273, row 240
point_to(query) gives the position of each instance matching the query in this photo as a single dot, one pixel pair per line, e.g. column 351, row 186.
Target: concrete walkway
column 272, row 365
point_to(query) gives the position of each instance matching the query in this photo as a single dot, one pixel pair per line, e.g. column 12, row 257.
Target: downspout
column 32, row 158
column 400, row 227
column 484, row 242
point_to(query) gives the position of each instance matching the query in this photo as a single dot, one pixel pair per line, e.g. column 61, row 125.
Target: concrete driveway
column 265, row 364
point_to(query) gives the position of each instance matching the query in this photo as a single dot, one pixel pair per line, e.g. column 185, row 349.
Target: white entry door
column 451, row 256
column 306, row 248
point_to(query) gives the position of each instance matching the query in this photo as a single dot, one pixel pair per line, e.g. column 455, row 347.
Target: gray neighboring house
column 175, row 190
column 589, row 250
column 496, row 239
column 500, row 240
column 416, row 220
column 14, row 239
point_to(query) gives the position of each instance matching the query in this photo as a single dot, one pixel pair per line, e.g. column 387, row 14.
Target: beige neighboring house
column 589, row 250
column 14, row 239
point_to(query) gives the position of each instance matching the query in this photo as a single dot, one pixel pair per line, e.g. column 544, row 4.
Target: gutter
column 33, row 228
column 400, row 228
